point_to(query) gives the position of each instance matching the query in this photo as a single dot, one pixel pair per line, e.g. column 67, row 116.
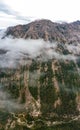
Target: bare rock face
column 47, row 30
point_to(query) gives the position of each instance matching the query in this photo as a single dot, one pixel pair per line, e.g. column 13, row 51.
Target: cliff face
column 42, row 91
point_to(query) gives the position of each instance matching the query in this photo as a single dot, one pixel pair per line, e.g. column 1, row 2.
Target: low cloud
column 14, row 52
column 74, row 48
column 6, row 103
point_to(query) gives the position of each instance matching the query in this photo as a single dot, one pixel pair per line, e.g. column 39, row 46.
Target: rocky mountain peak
column 47, row 30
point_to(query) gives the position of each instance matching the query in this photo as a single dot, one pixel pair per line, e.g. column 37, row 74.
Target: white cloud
column 56, row 10
column 52, row 9
column 18, row 51
column 7, row 21
column 7, row 103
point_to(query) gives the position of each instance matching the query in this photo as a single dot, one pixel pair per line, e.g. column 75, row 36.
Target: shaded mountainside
column 47, row 30
column 43, row 91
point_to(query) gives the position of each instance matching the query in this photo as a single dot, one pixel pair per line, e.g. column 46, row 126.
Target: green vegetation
column 47, row 90
column 38, row 78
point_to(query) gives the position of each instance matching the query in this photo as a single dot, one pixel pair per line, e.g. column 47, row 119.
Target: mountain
column 47, row 30
column 43, row 88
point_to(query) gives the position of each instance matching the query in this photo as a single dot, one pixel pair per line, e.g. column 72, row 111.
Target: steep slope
column 48, row 91
column 45, row 91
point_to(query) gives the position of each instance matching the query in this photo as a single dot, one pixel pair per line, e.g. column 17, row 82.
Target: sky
column 13, row 12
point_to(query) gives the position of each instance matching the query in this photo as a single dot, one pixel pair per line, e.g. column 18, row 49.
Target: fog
column 6, row 103
column 74, row 48
column 13, row 51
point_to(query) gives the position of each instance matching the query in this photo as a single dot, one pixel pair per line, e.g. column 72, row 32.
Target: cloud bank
column 14, row 52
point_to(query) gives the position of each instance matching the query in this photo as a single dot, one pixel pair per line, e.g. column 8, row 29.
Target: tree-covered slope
column 39, row 80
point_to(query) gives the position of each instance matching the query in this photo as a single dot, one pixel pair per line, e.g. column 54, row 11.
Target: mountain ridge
column 47, row 30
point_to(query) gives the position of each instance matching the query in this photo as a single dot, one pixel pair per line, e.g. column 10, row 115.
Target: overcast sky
column 14, row 12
